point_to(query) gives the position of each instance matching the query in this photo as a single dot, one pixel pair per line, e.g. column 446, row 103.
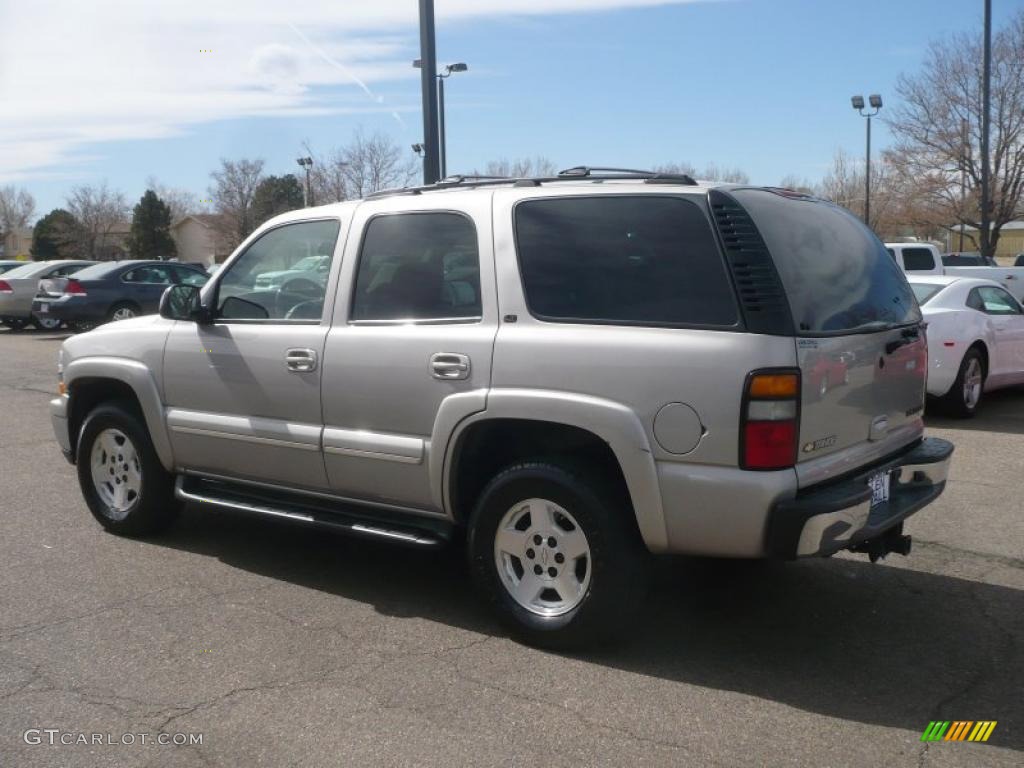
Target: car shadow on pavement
column 867, row 643
column 999, row 411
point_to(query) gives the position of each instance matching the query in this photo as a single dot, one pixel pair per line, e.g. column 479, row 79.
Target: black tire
column 618, row 561
column 81, row 326
column 956, row 402
column 153, row 507
column 123, row 306
column 39, row 323
column 15, row 324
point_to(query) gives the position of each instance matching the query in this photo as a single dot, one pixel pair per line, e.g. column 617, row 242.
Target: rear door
column 145, row 284
column 859, row 342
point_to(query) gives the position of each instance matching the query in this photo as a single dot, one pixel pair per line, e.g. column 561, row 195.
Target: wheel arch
column 96, row 380
column 545, row 422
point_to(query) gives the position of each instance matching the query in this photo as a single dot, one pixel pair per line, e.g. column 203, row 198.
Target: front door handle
column 300, row 359
column 449, row 365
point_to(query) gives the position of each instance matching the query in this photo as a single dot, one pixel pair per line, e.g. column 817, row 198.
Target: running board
column 344, row 517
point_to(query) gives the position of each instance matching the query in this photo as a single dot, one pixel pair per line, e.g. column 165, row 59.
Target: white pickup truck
column 924, row 259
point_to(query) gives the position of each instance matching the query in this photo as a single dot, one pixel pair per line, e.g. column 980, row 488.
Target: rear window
column 923, row 292
column 99, row 271
column 918, row 260
column 638, row 260
column 837, row 274
column 26, row 270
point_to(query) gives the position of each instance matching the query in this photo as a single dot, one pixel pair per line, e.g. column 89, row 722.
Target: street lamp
column 307, row 197
column 875, row 101
column 442, row 150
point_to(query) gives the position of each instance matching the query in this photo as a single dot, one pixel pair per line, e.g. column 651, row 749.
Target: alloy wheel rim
column 542, row 557
column 49, row 323
column 972, row 383
column 116, row 472
column 124, row 313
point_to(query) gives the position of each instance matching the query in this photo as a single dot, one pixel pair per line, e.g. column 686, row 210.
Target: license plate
column 44, row 308
column 879, row 485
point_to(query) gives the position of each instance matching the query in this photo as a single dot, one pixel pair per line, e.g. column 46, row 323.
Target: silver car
column 18, row 288
column 570, row 374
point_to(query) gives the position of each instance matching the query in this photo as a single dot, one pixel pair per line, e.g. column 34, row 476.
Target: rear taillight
column 74, row 288
column 5, row 287
column 770, row 422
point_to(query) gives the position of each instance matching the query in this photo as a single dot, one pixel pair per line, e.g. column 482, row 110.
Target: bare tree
column 98, row 211
column 938, row 132
column 367, row 164
column 17, row 207
column 233, row 190
column 520, row 167
column 797, row 184
column 181, row 202
column 844, row 184
column 711, row 172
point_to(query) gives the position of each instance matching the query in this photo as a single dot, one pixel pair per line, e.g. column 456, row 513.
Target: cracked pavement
column 285, row 646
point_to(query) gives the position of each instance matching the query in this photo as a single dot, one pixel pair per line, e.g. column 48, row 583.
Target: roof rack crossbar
column 594, row 171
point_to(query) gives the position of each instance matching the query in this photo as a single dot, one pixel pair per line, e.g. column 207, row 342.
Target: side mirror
column 181, row 302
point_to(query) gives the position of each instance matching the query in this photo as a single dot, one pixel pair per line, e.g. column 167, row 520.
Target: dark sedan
column 113, row 290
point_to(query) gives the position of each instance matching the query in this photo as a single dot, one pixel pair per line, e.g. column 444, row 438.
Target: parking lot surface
column 283, row 646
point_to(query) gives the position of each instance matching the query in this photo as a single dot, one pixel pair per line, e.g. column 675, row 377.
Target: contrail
column 345, row 71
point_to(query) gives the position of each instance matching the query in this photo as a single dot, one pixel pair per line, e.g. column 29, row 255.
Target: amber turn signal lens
column 62, row 388
column 774, row 385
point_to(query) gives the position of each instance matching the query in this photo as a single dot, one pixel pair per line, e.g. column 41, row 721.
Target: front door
column 243, row 392
column 413, row 333
column 1007, row 362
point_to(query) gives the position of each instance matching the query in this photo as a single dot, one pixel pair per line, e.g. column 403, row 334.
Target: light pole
column 986, row 118
column 431, row 168
column 442, row 145
column 875, row 102
column 307, row 192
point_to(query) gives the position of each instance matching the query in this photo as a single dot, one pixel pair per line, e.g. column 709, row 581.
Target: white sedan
column 975, row 339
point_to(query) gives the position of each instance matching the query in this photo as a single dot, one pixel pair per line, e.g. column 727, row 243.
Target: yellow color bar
column 774, row 385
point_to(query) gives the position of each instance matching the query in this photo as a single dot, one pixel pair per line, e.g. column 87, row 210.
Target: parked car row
column 83, row 294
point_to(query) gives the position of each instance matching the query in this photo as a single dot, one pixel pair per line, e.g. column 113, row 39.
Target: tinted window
column 996, row 301
column 648, row 260
column 925, row 291
column 152, row 274
column 974, row 300
column 27, row 270
column 836, row 273
column 918, row 260
column 261, row 284
column 418, row 266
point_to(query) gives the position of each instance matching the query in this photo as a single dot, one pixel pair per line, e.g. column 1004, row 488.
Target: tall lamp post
column 442, row 145
column 875, row 101
column 307, row 192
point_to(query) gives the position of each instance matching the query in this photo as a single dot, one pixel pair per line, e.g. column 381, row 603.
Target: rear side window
column 418, row 266
column 918, row 260
column 836, row 273
column 925, row 291
column 639, row 260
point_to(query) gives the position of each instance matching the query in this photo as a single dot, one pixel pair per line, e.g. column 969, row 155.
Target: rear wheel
column 556, row 553
column 123, row 311
column 126, row 488
column 46, row 323
column 965, row 395
column 14, row 323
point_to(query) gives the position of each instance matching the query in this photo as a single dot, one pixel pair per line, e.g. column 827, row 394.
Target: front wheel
column 965, row 395
column 126, row 488
column 15, row 324
column 557, row 554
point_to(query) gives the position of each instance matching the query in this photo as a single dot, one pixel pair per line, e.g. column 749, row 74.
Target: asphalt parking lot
column 282, row 646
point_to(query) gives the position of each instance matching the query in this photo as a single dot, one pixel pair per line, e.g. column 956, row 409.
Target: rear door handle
column 300, row 359
column 449, row 365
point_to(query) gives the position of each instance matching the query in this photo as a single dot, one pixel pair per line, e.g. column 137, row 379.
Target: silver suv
column 568, row 373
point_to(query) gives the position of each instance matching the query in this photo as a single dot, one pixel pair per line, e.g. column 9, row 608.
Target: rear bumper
column 831, row 517
column 67, row 308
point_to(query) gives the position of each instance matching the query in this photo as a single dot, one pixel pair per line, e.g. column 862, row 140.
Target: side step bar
column 296, row 507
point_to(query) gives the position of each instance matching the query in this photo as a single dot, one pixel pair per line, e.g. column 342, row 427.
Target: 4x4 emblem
column 817, row 445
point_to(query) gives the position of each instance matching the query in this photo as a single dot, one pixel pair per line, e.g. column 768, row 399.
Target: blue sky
column 763, row 85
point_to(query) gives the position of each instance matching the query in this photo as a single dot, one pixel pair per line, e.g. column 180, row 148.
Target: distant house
column 1011, row 239
column 199, row 240
column 16, row 243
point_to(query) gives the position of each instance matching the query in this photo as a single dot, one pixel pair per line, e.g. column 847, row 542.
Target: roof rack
column 595, row 173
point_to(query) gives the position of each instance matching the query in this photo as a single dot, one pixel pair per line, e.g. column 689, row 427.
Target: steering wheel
column 306, row 310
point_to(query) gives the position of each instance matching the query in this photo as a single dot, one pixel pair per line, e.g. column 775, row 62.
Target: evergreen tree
column 274, row 195
column 54, row 236
column 150, row 236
